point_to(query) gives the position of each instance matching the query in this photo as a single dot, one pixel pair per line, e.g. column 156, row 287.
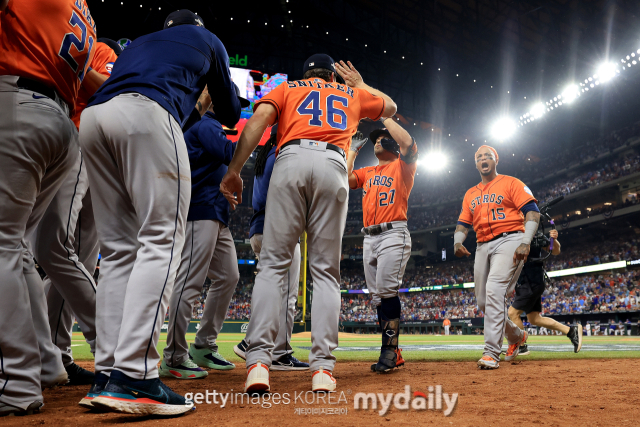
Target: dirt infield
column 550, row 393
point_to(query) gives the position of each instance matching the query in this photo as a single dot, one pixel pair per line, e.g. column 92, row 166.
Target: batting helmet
column 388, row 143
column 114, row 45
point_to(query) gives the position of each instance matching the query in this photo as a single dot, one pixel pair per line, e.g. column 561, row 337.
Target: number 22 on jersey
column 335, row 117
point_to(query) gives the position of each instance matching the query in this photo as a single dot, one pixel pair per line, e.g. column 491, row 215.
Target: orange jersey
column 386, row 189
column 321, row 111
column 494, row 208
column 102, row 63
column 51, row 41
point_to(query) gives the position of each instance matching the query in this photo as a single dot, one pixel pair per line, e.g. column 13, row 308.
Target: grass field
column 425, row 347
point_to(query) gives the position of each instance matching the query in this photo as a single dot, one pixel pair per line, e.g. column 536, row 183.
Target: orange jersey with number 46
column 321, row 111
column 50, row 41
column 386, row 189
column 494, row 208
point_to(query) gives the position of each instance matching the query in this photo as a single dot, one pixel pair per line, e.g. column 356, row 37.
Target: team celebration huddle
column 122, row 156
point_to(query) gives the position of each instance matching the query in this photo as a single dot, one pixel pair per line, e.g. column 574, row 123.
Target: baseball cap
column 114, row 45
column 373, row 136
column 274, row 130
column 244, row 103
column 321, row 60
column 183, row 17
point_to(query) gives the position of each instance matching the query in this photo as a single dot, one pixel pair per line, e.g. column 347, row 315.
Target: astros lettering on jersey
column 322, row 111
column 386, row 189
column 55, row 51
column 494, row 208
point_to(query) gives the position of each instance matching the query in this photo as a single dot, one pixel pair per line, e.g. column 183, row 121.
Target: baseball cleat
column 141, row 397
column 78, row 375
column 323, row 381
column 61, row 379
column 488, row 362
column 33, row 408
column 514, row 349
column 399, row 358
column 524, row 350
column 575, row 335
column 289, row 363
column 241, row 349
column 387, row 362
column 205, row 358
column 187, row 370
column 257, row 379
column 99, row 383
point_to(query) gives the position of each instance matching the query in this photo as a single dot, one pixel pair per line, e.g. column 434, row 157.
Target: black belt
column 36, row 86
column 374, row 230
column 501, row 235
column 329, row 147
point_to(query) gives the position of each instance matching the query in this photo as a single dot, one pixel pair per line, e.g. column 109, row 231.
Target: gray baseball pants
column 308, row 191
column 140, row 183
column 63, row 243
column 208, row 251
column 493, row 269
column 282, row 344
column 38, row 145
column 385, row 259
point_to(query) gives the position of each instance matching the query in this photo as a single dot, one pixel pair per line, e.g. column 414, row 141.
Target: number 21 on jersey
column 79, row 43
column 335, row 117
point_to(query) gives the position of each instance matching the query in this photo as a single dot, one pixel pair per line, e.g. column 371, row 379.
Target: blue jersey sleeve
column 214, row 141
column 220, row 86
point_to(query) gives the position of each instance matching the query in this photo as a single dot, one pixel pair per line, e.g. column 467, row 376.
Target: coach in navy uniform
column 138, row 166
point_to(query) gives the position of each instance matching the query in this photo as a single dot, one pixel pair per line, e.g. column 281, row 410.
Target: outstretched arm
column 353, row 78
column 399, row 135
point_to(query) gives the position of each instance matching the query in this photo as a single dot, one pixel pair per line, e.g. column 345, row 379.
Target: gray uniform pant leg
column 198, row 250
column 385, row 259
column 308, row 190
column 224, row 275
column 490, row 292
column 288, row 307
column 35, row 140
column 140, row 179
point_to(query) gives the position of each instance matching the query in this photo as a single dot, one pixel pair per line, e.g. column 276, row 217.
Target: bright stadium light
column 606, row 72
column 503, row 128
column 537, row 110
column 570, row 93
column 434, row 161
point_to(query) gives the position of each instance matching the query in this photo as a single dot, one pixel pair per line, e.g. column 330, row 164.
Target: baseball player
column 139, row 175
column 308, row 191
column 505, row 217
column 66, row 245
column 387, row 244
column 43, row 62
column 528, row 298
column 282, row 357
column 208, row 247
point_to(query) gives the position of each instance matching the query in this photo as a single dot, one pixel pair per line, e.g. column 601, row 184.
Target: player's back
column 168, row 66
column 50, row 41
column 321, row 111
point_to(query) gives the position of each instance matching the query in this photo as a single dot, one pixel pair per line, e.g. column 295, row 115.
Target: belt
column 329, row 147
column 501, row 235
column 43, row 89
column 374, row 230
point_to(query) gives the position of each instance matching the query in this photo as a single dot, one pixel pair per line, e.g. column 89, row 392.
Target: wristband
column 530, row 228
column 458, row 237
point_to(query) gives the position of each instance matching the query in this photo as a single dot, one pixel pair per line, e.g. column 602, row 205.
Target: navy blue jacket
column 259, row 199
column 172, row 67
column 210, row 153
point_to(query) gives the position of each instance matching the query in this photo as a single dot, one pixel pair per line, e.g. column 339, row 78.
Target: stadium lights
column 570, row 93
column 503, row 128
column 537, row 110
column 435, row 160
column 606, row 72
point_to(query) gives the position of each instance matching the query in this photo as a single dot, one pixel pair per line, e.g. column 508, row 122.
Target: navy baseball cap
column 114, row 45
column 183, row 17
column 321, row 60
column 244, row 103
column 274, row 130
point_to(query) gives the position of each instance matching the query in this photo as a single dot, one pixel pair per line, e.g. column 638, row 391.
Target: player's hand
column 358, row 141
column 349, row 73
column 553, row 234
column 460, row 251
column 521, row 253
column 232, row 184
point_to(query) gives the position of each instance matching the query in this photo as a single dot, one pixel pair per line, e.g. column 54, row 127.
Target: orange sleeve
column 275, row 98
column 360, row 176
column 371, row 106
column 103, row 59
column 520, row 193
column 465, row 214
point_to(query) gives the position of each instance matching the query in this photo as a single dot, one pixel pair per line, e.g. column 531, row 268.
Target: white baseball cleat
column 323, row 381
column 257, row 379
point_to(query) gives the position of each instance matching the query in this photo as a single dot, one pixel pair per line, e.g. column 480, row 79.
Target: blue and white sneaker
column 289, row 363
column 141, row 397
column 205, row 358
column 241, row 349
column 99, row 383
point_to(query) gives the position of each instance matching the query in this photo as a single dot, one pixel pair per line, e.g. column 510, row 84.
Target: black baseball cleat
column 289, row 363
column 241, row 349
column 79, row 376
column 524, row 350
column 387, row 361
column 99, row 383
column 575, row 335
